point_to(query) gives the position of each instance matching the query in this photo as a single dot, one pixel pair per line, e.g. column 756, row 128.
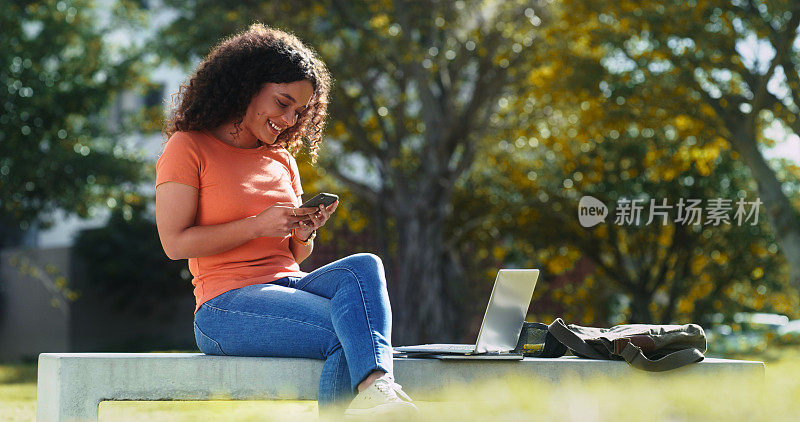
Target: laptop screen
column 506, row 311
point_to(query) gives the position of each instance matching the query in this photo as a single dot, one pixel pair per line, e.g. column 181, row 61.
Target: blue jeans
column 340, row 312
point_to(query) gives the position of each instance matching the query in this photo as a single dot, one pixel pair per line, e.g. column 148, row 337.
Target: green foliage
column 690, row 72
column 125, row 264
column 56, row 147
column 585, row 125
column 668, row 272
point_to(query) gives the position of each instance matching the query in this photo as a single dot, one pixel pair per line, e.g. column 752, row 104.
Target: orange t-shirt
column 233, row 183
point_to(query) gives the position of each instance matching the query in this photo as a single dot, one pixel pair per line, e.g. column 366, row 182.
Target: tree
column 416, row 84
column 643, row 271
column 56, row 148
column 125, row 258
column 571, row 137
column 734, row 64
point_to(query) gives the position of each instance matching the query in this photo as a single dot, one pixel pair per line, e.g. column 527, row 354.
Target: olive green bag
column 647, row 347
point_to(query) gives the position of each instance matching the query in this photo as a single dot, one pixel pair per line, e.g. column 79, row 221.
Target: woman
column 228, row 198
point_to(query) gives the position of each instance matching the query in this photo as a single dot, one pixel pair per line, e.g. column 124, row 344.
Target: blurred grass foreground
column 652, row 397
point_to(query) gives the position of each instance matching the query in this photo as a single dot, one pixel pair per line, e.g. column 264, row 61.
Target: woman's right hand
column 279, row 219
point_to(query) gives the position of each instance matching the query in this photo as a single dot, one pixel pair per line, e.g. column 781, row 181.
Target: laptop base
column 449, row 356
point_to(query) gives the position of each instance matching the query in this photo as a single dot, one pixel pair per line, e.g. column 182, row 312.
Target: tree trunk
column 781, row 216
column 680, row 283
column 382, row 234
column 421, row 307
column 10, row 233
column 640, row 308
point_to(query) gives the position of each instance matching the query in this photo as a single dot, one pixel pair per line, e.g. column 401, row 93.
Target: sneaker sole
column 384, row 409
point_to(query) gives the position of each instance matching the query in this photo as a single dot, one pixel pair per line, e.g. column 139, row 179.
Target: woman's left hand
column 317, row 219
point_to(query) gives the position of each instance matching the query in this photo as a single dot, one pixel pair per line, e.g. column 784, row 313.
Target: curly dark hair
column 234, row 72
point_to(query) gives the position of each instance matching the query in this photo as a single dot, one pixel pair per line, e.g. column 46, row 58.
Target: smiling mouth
column 273, row 126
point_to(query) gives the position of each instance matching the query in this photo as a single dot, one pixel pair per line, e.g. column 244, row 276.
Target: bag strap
column 634, row 356
column 631, row 352
column 568, row 338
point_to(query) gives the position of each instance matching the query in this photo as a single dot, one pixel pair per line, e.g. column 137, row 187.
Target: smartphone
column 321, row 198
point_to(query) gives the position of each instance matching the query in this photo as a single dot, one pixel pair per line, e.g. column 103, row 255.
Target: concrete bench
column 72, row 385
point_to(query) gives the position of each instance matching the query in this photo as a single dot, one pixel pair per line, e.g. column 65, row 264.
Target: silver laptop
column 502, row 322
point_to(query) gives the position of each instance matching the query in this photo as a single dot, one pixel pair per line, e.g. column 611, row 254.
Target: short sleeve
column 295, row 173
column 179, row 162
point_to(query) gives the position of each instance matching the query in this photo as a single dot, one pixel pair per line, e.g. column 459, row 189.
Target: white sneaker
column 383, row 397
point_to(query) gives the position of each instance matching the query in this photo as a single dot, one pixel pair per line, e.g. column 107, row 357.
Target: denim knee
column 366, row 264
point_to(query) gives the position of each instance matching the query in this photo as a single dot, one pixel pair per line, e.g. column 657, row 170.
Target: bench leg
column 57, row 400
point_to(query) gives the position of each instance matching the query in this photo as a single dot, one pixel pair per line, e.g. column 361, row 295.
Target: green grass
column 664, row 397
column 18, row 392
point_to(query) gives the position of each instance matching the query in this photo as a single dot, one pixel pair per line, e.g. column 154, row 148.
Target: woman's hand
column 279, row 219
column 316, row 220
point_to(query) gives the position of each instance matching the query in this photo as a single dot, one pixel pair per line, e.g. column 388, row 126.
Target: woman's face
column 276, row 108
